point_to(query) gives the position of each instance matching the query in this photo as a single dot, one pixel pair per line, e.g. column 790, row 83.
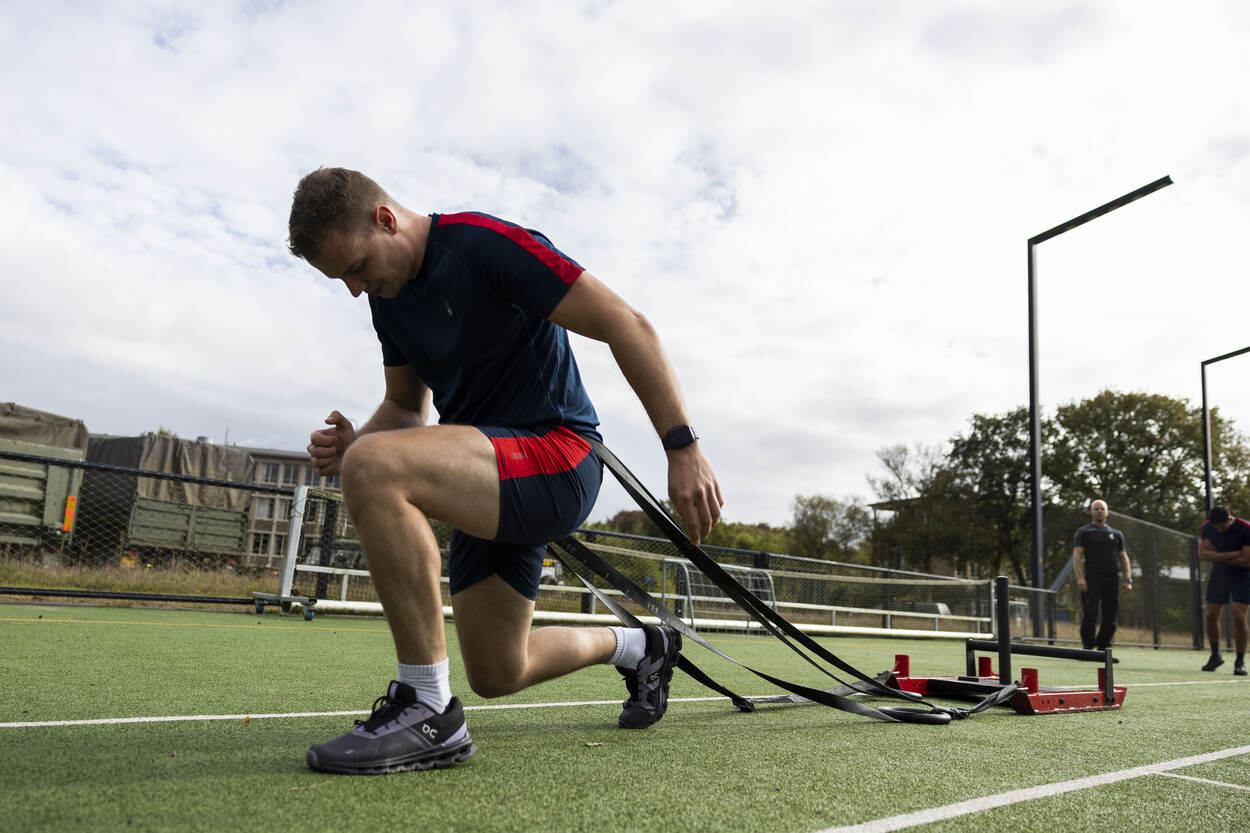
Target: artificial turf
column 705, row 767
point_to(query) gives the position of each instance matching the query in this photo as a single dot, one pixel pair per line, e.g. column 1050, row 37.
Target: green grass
column 705, row 767
column 184, row 580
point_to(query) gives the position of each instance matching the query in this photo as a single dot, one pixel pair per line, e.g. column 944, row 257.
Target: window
column 264, row 507
column 284, row 508
column 279, row 544
column 290, row 473
column 269, row 472
column 310, row 476
column 260, row 543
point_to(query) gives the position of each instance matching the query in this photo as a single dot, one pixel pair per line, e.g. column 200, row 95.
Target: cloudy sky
column 823, row 206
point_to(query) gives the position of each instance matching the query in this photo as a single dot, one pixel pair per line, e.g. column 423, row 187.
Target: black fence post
column 588, row 599
column 1003, row 628
column 1153, row 566
column 326, row 556
column 1195, row 584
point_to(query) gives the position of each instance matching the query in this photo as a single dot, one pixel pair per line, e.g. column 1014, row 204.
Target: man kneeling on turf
column 473, row 312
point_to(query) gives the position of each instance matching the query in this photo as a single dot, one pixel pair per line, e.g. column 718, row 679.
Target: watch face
column 679, row 437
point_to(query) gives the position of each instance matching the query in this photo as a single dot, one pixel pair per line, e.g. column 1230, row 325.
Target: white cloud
column 823, row 208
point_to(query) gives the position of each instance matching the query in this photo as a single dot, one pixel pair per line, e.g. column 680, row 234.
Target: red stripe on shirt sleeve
column 554, row 452
column 564, row 269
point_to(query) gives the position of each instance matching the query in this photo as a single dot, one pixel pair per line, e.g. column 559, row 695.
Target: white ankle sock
column 631, row 646
column 432, row 683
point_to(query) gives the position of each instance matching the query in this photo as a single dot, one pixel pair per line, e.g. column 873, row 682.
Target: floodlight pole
column 1206, row 425
column 1035, row 421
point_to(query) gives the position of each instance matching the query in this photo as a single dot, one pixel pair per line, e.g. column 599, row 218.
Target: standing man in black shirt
column 1099, row 556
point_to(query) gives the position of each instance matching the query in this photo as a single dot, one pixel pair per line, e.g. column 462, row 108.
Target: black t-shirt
column 1102, row 546
column 1231, row 539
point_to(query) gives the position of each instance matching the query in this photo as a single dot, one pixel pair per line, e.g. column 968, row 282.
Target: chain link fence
column 70, row 525
column 75, row 525
column 1162, row 609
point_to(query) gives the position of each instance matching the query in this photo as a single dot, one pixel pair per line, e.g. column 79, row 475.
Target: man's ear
column 385, row 217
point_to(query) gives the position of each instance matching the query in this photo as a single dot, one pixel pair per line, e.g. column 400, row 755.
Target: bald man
column 1100, row 557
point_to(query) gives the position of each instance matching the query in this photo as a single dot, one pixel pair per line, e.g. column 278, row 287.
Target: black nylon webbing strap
column 834, row 698
column 769, row 619
column 571, row 546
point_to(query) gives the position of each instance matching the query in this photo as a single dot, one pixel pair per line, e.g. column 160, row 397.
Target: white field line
column 109, row 721
column 1204, row 780
column 976, row 805
column 112, row 721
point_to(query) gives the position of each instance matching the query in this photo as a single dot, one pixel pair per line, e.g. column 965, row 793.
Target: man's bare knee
column 365, row 468
column 491, row 680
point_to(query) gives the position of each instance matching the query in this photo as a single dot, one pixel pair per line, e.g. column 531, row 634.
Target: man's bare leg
column 393, row 482
column 503, row 655
column 1241, row 629
column 1213, row 612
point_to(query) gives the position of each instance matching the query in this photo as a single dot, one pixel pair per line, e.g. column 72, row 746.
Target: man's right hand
column 1081, row 583
column 327, row 446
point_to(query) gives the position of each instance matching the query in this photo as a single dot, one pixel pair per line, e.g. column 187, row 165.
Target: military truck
column 38, row 501
column 125, row 515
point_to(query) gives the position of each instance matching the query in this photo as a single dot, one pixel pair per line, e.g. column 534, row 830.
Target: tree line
column 963, row 506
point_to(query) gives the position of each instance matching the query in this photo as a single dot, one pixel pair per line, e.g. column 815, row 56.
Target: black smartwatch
column 679, row 437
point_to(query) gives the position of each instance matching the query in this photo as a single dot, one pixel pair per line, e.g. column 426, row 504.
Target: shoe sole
column 666, row 676
column 444, row 759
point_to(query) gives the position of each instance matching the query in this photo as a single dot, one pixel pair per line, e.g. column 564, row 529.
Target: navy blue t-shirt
column 1230, row 540
column 473, row 325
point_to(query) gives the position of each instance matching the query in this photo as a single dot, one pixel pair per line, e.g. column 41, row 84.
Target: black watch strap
column 679, row 437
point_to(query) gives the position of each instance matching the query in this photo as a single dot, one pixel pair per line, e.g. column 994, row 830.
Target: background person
column 472, row 313
column 1225, row 541
column 1100, row 556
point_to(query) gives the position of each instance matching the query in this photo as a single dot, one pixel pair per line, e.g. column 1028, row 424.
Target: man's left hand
column 693, row 489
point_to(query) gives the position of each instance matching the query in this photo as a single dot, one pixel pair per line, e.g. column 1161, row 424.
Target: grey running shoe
column 1239, row 670
column 400, row 735
column 648, row 682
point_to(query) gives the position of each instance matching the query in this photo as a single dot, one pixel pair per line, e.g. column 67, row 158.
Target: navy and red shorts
column 548, row 483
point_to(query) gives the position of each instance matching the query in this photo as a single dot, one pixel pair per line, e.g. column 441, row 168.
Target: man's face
column 374, row 261
column 1098, row 511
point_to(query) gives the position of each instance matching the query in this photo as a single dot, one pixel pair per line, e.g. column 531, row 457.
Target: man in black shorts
column 1225, row 542
column 473, row 314
column 1099, row 557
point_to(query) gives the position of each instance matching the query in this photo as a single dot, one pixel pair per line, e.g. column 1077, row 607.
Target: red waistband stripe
column 554, row 452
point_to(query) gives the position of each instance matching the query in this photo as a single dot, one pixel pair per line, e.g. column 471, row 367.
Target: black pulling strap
column 769, row 619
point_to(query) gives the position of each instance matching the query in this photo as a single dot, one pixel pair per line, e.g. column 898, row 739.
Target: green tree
column 1140, row 452
column 929, row 522
column 755, row 537
column 1230, row 465
column 990, row 464
column 825, row 527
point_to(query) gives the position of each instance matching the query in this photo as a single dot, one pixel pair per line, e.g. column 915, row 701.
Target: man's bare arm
column 406, row 403
column 1208, row 552
column 590, row 309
